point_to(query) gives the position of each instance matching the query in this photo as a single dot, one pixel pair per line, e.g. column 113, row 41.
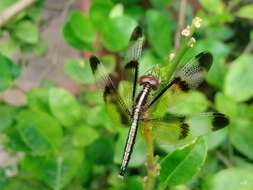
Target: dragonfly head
column 149, row 80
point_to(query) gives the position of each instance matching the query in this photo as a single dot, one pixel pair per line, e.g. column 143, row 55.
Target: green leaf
column 101, row 151
column 189, row 160
column 79, row 70
column 27, row 32
column 84, row 135
column 241, row 135
column 8, row 72
column 82, row 27
column 72, row 40
column 216, row 138
column 188, row 103
column 239, row 77
column 160, row 3
column 6, row 117
column 64, row 107
column 137, row 12
column 58, row 171
column 22, row 184
column 138, row 157
column 99, row 12
column 233, row 179
column 108, row 116
column 5, row 4
column 3, row 179
column 245, row 12
column 159, row 32
column 116, row 35
column 38, row 99
column 40, row 132
column 9, row 47
column 226, row 105
column 212, row 6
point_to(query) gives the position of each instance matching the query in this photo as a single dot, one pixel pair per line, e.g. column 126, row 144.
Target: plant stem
column 13, row 10
column 181, row 20
column 151, row 164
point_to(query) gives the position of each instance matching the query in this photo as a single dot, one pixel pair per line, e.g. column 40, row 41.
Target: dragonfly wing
column 173, row 128
column 133, row 54
column 189, row 76
column 100, row 72
column 192, row 74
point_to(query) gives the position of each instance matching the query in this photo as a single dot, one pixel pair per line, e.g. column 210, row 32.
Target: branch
column 13, row 10
column 181, row 19
column 152, row 166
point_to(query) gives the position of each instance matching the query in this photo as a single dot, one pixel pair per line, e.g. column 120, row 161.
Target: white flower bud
column 186, row 32
column 191, row 42
column 197, row 22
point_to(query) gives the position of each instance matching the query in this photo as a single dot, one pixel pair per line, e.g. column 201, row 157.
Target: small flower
column 186, row 32
column 197, row 22
column 171, row 56
column 191, row 42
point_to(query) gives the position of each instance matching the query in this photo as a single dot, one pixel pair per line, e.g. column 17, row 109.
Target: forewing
column 132, row 56
column 134, row 49
column 189, row 76
column 106, row 82
column 192, row 74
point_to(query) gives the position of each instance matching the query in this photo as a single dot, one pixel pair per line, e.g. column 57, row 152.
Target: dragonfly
column 186, row 77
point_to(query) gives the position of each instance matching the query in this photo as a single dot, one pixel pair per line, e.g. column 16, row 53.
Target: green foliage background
column 67, row 142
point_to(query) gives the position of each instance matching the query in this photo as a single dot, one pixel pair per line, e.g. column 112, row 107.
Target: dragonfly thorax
column 149, row 80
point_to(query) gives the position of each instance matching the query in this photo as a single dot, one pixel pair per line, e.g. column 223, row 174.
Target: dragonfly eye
column 150, row 80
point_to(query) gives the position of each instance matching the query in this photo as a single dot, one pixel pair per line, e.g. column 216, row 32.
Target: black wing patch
column 109, row 88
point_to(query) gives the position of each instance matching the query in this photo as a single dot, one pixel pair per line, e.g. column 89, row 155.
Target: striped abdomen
column 140, row 102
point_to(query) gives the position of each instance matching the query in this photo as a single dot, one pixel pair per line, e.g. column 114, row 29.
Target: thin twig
column 181, row 21
column 248, row 48
column 223, row 159
column 152, row 168
column 13, row 10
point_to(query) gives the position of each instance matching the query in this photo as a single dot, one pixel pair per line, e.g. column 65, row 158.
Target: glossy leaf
column 116, row 35
column 15, row 184
column 79, row 71
column 8, row 72
column 101, row 151
column 233, row 179
column 245, row 11
column 72, row 40
column 84, row 135
column 64, row 107
column 82, row 27
column 38, row 99
column 158, row 32
column 241, row 135
column 7, row 115
column 160, row 3
column 58, row 171
column 181, row 165
column 40, row 131
column 190, row 103
column 99, row 12
column 239, row 77
column 27, row 32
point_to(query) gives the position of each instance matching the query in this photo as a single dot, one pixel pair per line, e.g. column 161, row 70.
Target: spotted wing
column 133, row 54
column 189, row 76
column 172, row 128
column 110, row 90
